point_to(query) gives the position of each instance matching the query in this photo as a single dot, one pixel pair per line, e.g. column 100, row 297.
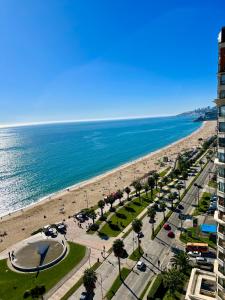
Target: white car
column 194, row 254
column 141, row 265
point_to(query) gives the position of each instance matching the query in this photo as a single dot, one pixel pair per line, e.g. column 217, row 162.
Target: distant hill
column 202, row 114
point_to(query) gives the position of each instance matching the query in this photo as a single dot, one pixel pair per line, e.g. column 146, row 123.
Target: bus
column 200, row 247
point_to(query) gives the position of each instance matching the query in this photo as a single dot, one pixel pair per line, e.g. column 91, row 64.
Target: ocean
column 38, row 160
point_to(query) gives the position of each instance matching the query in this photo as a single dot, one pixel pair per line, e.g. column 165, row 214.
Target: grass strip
column 13, row 284
column 203, row 204
column 136, row 255
column 117, row 283
column 78, row 283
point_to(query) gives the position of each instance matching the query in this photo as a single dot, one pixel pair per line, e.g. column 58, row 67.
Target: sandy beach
column 63, row 204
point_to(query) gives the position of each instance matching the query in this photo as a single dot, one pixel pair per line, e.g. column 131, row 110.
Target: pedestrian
column 158, row 262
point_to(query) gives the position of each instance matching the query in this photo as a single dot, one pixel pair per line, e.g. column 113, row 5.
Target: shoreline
column 64, row 203
column 82, row 183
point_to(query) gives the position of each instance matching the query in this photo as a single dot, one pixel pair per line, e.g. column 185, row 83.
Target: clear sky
column 87, row 59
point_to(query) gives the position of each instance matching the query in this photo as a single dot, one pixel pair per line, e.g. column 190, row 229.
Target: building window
column 221, row 229
column 221, row 172
column 221, row 187
column 221, row 243
column 222, row 94
column 222, row 111
column 221, row 126
column 221, row 201
column 221, row 156
column 222, row 79
column 221, row 142
column 221, row 294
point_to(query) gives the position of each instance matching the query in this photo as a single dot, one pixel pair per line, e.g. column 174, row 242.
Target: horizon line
column 81, row 120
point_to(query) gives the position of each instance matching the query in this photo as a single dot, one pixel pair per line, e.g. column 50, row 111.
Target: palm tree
column 119, row 195
column 163, row 208
column 180, row 261
column 89, row 280
column 138, row 187
column 171, row 197
column 172, row 279
column 101, row 205
column 110, row 199
column 151, row 183
column 127, row 191
column 179, row 188
column 137, row 226
column 156, row 177
column 146, row 188
column 151, row 215
column 160, row 184
column 92, row 214
column 118, row 249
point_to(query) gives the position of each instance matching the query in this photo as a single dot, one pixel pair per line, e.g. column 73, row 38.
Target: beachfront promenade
column 157, row 249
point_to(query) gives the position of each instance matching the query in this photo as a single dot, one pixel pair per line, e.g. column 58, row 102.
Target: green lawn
column 194, row 235
column 123, row 217
column 204, row 203
column 13, row 284
column 164, row 172
column 117, row 283
column 136, row 255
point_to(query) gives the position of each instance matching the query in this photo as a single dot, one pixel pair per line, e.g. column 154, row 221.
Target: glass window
column 222, row 94
column 221, row 187
column 221, row 172
column 221, row 142
column 221, row 126
column 222, row 79
column 222, row 111
column 221, row 156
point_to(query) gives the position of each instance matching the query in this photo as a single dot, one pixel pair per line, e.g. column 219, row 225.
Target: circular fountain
column 38, row 255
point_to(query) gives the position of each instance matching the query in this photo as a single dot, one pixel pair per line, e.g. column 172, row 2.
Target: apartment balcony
column 218, row 269
column 218, row 218
column 220, row 295
column 221, row 235
column 219, row 163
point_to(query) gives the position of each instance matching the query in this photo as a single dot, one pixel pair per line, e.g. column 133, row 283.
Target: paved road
column 160, row 248
column 157, row 249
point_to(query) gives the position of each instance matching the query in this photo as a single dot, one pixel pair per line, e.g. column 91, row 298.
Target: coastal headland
column 60, row 206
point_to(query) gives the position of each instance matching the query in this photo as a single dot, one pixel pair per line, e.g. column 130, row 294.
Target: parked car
column 202, row 261
column 80, row 217
column 171, row 234
column 194, row 254
column 61, row 227
column 166, row 226
column 84, row 296
column 140, row 235
column 141, row 265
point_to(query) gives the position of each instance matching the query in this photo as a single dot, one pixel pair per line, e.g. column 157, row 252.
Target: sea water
column 38, row 160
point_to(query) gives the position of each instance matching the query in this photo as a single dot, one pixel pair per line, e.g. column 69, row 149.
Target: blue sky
column 68, row 60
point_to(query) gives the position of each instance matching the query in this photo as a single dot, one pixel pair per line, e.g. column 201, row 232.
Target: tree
column 171, row 197
column 179, row 188
column 172, row 279
column 151, row 183
column 89, row 280
column 156, row 177
column 35, row 293
column 137, row 226
column 119, row 195
column 180, row 261
column 101, row 205
column 92, row 214
column 163, row 208
column 138, row 188
column 151, row 215
column 127, row 191
column 110, row 199
column 160, row 184
column 118, row 250
column 146, row 188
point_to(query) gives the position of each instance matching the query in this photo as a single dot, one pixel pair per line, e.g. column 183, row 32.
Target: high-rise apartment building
column 220, row 163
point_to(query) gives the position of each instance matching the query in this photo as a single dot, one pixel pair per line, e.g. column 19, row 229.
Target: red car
column 166, row 226
column 171, row 234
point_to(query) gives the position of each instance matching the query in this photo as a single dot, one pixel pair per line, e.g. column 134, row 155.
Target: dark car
column 166, row 226
column 171, row 234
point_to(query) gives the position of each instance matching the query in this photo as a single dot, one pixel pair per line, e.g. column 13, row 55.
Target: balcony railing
column 221, row 269
column 221, row 243
column 221, row 229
